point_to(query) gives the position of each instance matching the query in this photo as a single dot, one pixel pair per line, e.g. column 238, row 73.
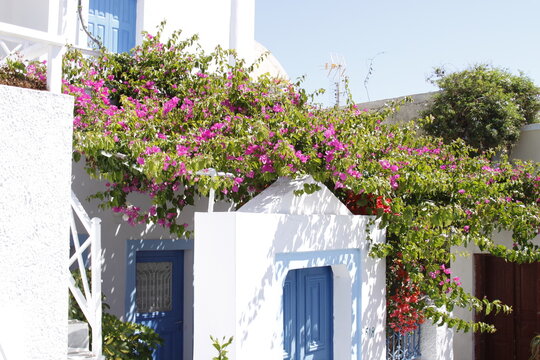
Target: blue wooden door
column 159, row 296
column 113, row 21
column 307, row 314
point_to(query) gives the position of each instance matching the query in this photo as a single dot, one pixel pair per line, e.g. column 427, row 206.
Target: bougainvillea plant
column 26, row 74
column 147, row 122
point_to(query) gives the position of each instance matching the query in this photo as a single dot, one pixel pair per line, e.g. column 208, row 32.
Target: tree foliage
column 148, row 122
column 484, row 106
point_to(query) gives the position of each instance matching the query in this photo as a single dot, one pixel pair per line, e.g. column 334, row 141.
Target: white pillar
column 436, row 342
column 54, row 17
column 54, row 69
column 69, row 23
column 242, row 28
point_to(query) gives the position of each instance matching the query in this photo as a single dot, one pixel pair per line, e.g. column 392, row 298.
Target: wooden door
column 517, row 285
column 308, row 314
column 159, row 294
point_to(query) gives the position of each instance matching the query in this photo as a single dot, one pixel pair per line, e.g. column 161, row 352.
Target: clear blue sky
column 411, row 38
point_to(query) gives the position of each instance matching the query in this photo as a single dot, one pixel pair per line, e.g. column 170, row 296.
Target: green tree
column 485, row 106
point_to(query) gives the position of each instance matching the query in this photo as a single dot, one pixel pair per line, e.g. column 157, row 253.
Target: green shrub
column 122, row 340
column 483, row 105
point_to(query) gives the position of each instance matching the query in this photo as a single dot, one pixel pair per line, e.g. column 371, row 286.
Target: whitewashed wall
column 242, row 259
column 27, row 13
column 528, row 145
column 211, row 20
column 35, row 213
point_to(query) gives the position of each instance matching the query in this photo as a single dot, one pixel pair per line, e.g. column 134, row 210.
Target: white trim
column 20, row 32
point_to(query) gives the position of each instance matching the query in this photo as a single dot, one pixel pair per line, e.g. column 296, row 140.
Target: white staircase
column 78, row 341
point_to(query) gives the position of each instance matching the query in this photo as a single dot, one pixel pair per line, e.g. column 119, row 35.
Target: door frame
column 347, row 290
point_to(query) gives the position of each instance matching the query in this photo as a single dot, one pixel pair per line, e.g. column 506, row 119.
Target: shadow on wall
column 2, row 354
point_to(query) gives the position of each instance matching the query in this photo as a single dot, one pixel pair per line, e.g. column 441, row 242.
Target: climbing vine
column 149, row 121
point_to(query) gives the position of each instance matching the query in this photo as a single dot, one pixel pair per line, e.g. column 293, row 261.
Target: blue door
column 307, row 314
column 113, row 21
column 159, row 296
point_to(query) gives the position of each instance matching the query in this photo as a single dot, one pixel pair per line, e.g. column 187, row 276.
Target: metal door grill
column 403, row 346
column 154, row 286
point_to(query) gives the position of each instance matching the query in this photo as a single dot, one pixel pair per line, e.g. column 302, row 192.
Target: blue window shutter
column 113, row 22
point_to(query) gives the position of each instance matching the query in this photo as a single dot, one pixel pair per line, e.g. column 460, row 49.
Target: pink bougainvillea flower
column 169, row 105
column 182, row 150
column 278, row 108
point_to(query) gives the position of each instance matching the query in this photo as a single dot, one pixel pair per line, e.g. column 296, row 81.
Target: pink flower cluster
column 443, row 274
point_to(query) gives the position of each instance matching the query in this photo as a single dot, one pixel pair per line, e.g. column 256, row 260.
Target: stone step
column 79, row 354
column 78, row 335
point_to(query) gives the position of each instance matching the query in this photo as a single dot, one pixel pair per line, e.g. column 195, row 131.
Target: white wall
column 528, row 145
column 241, row 260
column 27, row 13
column 35, row 163
column 208, row 18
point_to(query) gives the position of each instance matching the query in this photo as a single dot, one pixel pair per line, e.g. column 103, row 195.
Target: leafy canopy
column 484, row 106
column 148, row 122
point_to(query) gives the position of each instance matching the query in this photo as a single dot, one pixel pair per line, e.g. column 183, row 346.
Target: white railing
column 89, row 299
column 32, row 44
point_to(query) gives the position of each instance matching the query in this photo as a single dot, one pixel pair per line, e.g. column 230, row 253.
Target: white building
column 119, row 23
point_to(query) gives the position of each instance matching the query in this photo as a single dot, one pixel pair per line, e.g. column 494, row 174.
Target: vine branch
column 85, row 28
